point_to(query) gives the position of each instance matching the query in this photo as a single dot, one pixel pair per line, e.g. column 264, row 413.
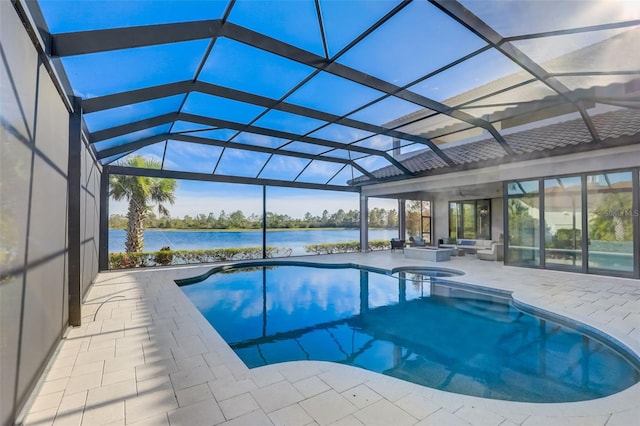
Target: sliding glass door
column 610, row 213
column 563, row 222
column 523, row 217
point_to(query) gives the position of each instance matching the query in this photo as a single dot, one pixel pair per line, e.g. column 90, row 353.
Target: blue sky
column 420, row 39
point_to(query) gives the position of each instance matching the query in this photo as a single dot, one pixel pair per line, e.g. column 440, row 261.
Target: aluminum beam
column 168, row 118
column 137, row 37
column 133, row 171
column 103, row 246
column 184, row 87
column 93, row 41
column 246, row 147
column 74, row 216
column 462, row 15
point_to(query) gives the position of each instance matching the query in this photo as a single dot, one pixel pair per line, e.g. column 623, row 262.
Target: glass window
column 320, row 171
column 483, row 219
column 133, row 112
column 345, row 94
column 346, row 20
column 259, row 140
column 373, row 162
column 286, row 122
column 418, row 220
column 343, row 153
column 511, row 18
column 283, row 168
column 294, row 22
column 219, row 134
column 433, row 126
column 470, row 79
column 608, row 50
column 306, row 148
column 610, row 221
column 339, row 133
column 73, row 15
column 470, row 219
column 387, row 110
column 220, row 108
column 454, row 213
column 523, row 217
column 381, row 142
column 236, row 162
column 529, row 92
column 252, row 70
column 563, row 222
column 104, row 73
column 188, row 127
column 383, row 219
column 405, row 48
column 131, row 137
column 191, row 157
column 345, row 175
column 153, row 152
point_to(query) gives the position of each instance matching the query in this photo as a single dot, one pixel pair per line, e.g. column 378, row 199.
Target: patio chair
column 397, row 244
column 416, row 242
column 496, row 252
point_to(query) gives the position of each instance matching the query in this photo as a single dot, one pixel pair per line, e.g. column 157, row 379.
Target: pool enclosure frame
column 56, row 164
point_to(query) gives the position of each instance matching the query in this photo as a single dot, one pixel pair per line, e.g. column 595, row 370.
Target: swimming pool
column 410, row 324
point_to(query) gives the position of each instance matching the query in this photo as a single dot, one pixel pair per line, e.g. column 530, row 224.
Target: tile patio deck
column 145, row 356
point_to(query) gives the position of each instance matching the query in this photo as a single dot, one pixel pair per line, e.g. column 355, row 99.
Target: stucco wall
column 34, row 139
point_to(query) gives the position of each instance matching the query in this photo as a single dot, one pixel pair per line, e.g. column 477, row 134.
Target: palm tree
column 141, row 191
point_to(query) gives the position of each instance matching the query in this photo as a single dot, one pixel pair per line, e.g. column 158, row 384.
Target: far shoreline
column 242, row 229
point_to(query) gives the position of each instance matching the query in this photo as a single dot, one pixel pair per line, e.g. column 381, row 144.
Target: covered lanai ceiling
column 337, row 94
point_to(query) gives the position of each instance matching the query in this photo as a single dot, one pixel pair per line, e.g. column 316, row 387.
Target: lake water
column 155, row 239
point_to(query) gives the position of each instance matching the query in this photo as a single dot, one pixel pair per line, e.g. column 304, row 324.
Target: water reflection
column 410, row 327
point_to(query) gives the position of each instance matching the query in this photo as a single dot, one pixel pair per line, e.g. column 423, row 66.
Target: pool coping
column 175, row 318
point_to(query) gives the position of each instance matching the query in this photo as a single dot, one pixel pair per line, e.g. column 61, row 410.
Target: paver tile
column 479, row 415
column 104, row 414
column 417, row 405
column 361, row 396
column 254, row 418
column 293, row 415
column 154, row 384
column 111, row 393
column 83, row 383
column 276, row 396
column 41, row 418
column 342, row 379
column 148, row 404
column 328, row 407
column 443, row 417
column 203, row 413
column 48, row 401
column 54, row 386
column 229, row 387
column 384, row 413
column 311, row 386
column 122, row 375
column 193, row 394
column 182, row 379
column 238, row 405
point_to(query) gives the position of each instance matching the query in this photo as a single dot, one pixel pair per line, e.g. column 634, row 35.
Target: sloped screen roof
column 342, row 93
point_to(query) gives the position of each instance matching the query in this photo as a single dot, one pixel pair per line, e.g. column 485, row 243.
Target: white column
column 364, row 223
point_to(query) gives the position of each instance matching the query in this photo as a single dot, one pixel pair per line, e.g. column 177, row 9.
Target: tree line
column 378, row 218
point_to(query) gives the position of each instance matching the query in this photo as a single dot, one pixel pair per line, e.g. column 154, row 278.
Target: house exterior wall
column 34, row 246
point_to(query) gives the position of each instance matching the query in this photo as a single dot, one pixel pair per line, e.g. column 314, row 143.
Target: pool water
column 410, row 326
